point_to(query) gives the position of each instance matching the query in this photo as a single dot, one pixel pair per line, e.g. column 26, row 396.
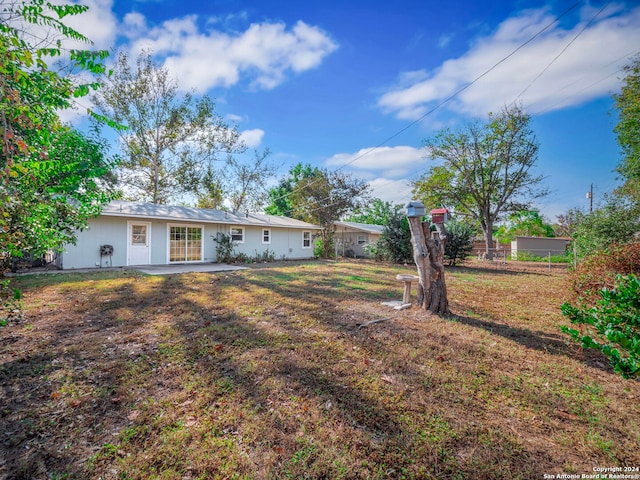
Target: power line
column 450, row 97
column 560, row 54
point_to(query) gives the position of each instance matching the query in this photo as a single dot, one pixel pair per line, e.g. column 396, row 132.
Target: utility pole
column 590, row 197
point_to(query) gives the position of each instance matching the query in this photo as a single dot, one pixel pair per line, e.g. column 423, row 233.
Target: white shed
column 539, row 246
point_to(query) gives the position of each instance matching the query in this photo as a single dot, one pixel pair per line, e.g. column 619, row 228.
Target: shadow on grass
column 555, row 344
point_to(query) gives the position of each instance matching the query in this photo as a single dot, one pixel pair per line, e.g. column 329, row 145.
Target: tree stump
column 428, row 253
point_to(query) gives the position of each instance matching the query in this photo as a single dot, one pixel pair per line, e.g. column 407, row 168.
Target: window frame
column 268, row 232
column 241, row 229
column 363, row 237
column 307, row 232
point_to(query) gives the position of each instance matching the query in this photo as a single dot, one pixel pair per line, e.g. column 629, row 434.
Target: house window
column 266, row 236
column 306, row 239
column 185, row 244
column 362, row 239
column 237, row 234
column 138, row 234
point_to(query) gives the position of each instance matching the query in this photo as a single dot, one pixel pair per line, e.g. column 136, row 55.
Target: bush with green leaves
column 615, row 223
column 459, row 241
column 612, row 325
column 224, row 247
column 395, row 242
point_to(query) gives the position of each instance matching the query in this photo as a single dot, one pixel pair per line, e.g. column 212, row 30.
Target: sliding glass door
column 185, row 244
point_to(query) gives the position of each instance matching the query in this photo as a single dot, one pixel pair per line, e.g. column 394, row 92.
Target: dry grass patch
column 265, row 374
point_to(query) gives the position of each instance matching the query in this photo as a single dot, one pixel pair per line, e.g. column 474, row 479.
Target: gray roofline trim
column 258, row 221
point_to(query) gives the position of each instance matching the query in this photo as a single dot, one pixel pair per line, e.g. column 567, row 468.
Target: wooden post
column 428, row 253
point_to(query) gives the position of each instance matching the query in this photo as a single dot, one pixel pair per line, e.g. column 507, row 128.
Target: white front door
column 138, row 246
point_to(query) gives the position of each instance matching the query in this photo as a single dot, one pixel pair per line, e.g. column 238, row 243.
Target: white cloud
column 265, row 52
column 232, row 117
column 394, row 191
column 395, row 161
column 99, row 24
column 252, row 138
column 445, row 39
column 586, row 70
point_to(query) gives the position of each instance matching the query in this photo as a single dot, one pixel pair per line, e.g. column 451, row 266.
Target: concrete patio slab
column 185, row 268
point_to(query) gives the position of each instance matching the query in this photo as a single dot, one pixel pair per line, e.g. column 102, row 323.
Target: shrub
column 395, row 242
column 224, row 247
column 613, row 325
column 614, row 224
column 266, row 256
column 599, row 270
column 459, row 242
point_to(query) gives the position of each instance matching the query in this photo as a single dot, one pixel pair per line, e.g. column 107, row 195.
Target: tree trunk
column 488, row 241
column 428, row 253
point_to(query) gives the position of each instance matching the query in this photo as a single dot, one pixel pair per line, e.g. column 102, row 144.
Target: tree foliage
column 526, row 223
column 485, row 169
column 375, row 212
column 325, row 197
column 628, row 129
column 171, row 142
column 279, row 196
column 52, row 177
column 615, row 222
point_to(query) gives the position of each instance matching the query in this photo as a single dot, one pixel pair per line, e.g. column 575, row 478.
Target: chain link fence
column 529, row 259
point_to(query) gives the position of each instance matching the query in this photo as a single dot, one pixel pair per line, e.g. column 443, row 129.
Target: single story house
column 539, row 246
column 127, row 233
column 352, row 238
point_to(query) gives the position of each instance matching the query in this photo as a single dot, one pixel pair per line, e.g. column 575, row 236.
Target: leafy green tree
column 279, row 201
column 376, row 212
column 172, row 142
column 628, row 129
column 527, row 223
column 616, row 222
column 485, row 170
column 324, row 198
column 459, row 241
column 52, row 177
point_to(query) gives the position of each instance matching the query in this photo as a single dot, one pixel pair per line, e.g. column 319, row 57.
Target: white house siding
column 347, row 234
column 101, row 231
column 285, row 242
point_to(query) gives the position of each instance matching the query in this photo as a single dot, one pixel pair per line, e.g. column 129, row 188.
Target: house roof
column 363, row 227
column 121, row 208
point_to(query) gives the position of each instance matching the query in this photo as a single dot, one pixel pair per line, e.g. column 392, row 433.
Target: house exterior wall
column 539, row 246
column 348, row 241
column 285, row 242
column 102, row 231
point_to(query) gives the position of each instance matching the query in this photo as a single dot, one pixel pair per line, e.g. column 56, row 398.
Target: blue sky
column 325, row 82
